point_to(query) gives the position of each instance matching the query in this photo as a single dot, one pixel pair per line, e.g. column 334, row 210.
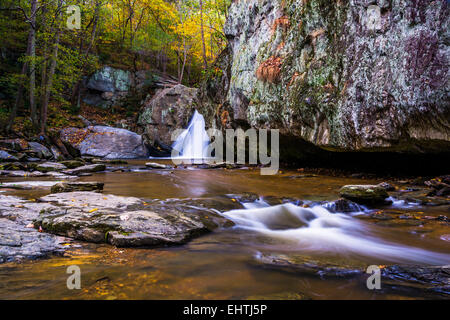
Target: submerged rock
column 431, row 279
column 305, row 265
column 364, row 194
column 77, row 186
column 413, row 280
column 125, row 222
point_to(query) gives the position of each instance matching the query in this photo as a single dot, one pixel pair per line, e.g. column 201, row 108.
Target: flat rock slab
column 50, row 166
column 86, row 169
column 17, row 242
column 18, row 239
column 125, row 221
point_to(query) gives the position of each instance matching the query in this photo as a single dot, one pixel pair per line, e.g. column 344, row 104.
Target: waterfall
column 193, row 142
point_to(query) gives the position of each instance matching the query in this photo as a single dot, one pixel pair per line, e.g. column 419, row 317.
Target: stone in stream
column 343, row 206
column 76, row 186
column 50, row 166
column 72, row 164
column 125, row 222
column 386, row 186
column 12, row 166
column 86, row 169
column 114, row 161
column 364, row 194
column 155, row 165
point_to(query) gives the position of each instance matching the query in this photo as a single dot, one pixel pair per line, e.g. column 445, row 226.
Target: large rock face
column 110, row 80
column 169, row 109
column 344, row 75
column 105, row 142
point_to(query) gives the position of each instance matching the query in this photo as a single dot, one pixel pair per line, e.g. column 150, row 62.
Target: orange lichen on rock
column 270, row 70
column 283, row 22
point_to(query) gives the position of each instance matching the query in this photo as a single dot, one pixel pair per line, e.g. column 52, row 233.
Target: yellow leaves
column 93, row 210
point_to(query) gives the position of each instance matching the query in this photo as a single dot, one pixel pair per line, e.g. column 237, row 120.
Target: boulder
column 109, row 79
column 77, row 186
column 169, row 109
column 364, row 194
column 40, row 150
column 415, row 280
column 5, row 156
column 86, row 169
column 105, row 142
column 50, row 166
column 124, row 222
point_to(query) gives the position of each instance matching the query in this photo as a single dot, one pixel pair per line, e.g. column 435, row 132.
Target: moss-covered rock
column 76, row 186
column 72, row 164
column 365, row 194
column 347, row 73
column 125, row 222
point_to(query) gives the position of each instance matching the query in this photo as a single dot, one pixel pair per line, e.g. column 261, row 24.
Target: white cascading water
column 193, row 142
column 317, row 230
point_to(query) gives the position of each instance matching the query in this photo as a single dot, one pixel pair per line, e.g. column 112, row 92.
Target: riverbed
column 224, row 264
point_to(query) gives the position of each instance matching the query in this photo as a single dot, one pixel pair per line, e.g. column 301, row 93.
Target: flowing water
column 193, row 142
column 224, row 264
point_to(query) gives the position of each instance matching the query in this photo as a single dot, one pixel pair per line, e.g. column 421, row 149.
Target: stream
column 224, row 264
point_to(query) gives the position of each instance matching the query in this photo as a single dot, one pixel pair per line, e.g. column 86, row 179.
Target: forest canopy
column 44, row 62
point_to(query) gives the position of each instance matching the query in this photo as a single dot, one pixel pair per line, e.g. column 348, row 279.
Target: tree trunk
column 205, row 61
column 49, row 84
column 20, row 89
column 76, row 92
column 33, row 63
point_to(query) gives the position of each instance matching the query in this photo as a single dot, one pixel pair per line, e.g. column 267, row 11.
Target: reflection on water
column 222, row 265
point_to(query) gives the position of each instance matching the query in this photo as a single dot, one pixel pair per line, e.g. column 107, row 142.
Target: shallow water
column 222, row 265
